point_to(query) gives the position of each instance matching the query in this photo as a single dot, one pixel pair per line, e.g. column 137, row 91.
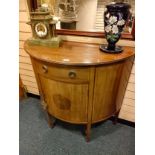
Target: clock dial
column 41, row 30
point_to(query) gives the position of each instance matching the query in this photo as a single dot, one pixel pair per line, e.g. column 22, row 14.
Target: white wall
column 87, row 15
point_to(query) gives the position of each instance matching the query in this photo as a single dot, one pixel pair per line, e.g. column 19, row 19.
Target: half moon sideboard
column 80, row 84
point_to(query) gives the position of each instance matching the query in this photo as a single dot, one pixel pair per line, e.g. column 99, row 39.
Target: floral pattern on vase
column 115, row 18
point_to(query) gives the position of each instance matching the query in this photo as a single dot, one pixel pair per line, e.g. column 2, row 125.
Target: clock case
column 51, row 39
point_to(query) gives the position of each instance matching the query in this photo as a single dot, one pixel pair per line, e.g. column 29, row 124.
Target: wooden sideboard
column 80, row 84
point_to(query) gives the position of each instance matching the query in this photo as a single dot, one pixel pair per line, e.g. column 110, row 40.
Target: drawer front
column 69, row 74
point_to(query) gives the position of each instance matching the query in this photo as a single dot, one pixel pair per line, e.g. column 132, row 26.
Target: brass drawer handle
column 45, row 68
column 72, row 74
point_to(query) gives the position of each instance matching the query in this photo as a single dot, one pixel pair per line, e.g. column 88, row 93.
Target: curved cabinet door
column 107, row 80
column 65, row 101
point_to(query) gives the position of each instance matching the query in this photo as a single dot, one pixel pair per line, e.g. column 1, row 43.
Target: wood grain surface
column 65, row 101
column 107, row 80
column 74, row 53
column 80, row 84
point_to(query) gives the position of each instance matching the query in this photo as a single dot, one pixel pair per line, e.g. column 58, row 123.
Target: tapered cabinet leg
column 115, row 119
column 51, row 120
column 88, row 131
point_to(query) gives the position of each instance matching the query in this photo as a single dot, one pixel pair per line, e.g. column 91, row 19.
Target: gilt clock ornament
column 115, row 18
column 43, row 26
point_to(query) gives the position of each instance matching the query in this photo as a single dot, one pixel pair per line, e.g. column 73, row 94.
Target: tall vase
column 115, row 18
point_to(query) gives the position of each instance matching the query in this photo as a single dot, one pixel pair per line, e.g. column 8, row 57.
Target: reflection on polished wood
column 80, row 54
column 79, row 83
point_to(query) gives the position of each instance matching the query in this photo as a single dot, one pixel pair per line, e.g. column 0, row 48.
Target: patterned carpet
column 36, row 138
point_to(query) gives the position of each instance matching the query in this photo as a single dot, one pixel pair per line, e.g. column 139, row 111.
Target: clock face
column 41, row 30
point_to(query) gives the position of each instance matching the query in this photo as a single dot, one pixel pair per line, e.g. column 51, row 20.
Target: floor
column 36, row 138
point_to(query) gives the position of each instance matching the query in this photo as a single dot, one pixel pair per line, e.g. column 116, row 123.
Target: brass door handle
column 45, row 68
column 72, row 74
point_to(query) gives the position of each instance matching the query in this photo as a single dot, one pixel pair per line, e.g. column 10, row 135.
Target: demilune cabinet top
column 75, row 53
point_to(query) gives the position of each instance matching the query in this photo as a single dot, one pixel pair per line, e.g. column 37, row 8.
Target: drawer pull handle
column 72, row 74
column 45, row 69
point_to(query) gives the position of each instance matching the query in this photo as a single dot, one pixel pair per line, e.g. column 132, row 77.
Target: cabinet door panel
column 65, row 101
column 105, row 90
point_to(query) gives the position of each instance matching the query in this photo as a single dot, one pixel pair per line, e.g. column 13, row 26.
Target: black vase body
column 115, row 18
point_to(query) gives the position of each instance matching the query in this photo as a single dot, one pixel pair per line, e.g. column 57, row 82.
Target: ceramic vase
column 115, row 18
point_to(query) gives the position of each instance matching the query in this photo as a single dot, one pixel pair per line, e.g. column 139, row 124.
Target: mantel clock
column 43, row 26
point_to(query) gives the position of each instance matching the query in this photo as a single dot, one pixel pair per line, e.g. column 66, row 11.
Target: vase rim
column 118, row 5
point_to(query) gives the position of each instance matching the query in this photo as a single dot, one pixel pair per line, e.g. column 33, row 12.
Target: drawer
column 61, row 73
